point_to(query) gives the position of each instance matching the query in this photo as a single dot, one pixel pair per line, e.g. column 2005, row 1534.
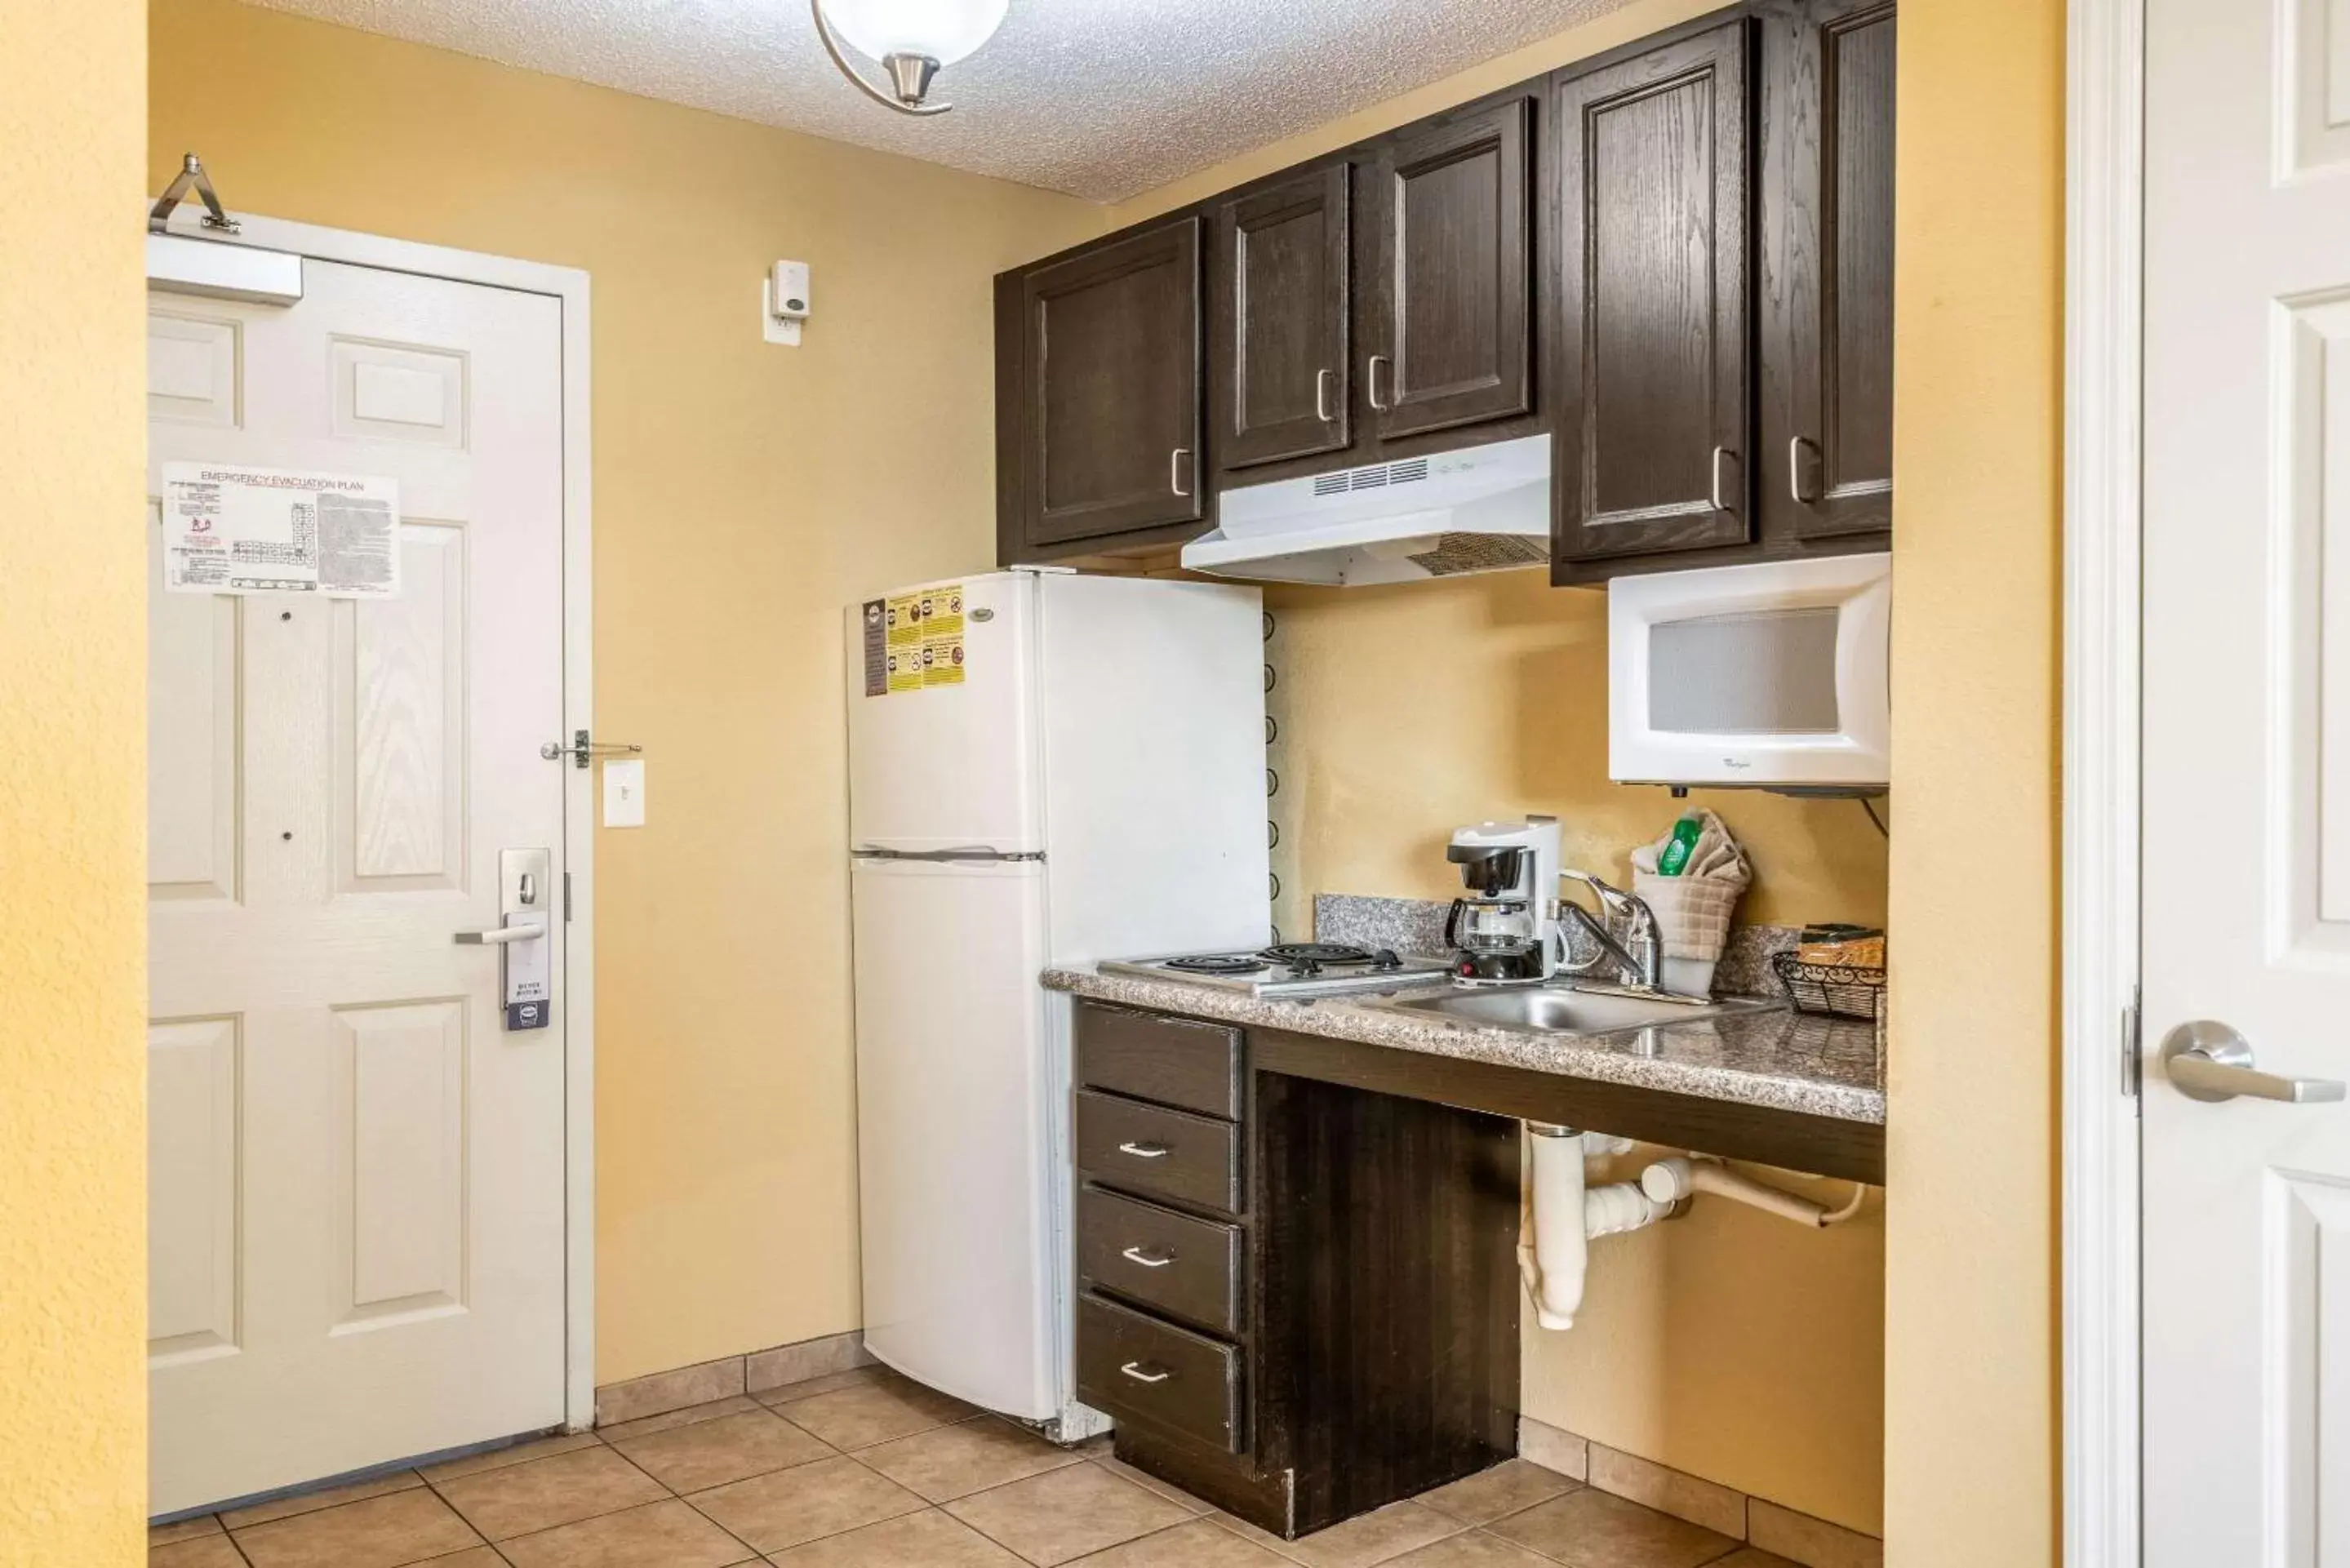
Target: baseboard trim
column 753, row 1372
column 1758, row 1521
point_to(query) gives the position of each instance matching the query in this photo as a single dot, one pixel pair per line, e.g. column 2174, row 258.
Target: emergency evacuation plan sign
column 235, row 530
column 914, row 642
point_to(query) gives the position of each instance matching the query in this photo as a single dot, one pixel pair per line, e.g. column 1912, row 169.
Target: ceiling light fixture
column 911, row 38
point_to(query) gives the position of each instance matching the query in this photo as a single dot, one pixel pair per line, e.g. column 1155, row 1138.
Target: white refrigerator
column 1044, row 768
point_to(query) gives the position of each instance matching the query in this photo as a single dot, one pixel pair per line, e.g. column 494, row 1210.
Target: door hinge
column 566, row 897
column 2132, row 1028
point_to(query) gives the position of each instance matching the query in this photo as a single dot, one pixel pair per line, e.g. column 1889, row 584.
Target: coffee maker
column 1505, row 929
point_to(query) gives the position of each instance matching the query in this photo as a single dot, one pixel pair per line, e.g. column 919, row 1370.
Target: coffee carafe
column 1502, row 930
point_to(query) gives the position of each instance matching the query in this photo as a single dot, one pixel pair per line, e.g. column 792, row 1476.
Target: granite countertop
column 1754, row 1053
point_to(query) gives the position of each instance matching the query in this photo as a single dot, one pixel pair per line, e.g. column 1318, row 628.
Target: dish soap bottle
column 1675, row 857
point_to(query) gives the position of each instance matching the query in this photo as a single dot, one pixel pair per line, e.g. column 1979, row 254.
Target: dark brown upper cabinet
column 1106, row 432
column 1655, row 402
column 1828, row 266
column 1280, row 311
column 1449, row 320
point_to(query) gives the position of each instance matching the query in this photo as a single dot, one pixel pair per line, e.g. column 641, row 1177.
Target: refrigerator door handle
column 976, row 852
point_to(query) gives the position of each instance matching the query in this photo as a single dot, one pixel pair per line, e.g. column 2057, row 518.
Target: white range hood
column 1480, row 509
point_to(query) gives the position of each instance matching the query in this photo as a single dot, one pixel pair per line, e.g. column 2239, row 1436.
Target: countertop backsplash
column 1417, row 926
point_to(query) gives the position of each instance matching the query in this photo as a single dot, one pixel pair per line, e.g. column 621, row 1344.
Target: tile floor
column 864, row 1469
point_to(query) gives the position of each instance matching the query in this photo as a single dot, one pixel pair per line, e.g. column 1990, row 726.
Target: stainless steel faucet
column 1639, row 955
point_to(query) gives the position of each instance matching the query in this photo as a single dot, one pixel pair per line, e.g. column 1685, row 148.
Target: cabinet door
column 1450, row 334
column 1655, row 402
column 1827, row 250
column 1111, row 357
column 1279, row 301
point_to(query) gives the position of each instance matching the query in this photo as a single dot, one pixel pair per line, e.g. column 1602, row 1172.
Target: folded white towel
column 1693, row 909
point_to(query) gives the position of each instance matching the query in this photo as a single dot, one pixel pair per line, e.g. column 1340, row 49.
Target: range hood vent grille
column 1375, row 476
column 1484, row 508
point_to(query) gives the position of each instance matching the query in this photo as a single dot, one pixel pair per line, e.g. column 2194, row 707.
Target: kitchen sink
column 1556, row 1009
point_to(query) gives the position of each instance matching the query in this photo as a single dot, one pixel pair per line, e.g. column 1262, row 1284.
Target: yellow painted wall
column 743, row 494
column 1970, row 1454
column 1728, row 1345
column 73, row 705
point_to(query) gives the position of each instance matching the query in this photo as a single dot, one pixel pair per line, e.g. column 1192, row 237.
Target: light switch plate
column 624, row 792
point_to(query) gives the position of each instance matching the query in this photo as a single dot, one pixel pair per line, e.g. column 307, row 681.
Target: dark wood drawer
column 1139, row 1368
column 1172, row 1061
column 1175, row 1263
column 1159, row 1153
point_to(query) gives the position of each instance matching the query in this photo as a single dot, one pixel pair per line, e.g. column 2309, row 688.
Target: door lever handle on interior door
column 2210, row 1062
column 528, row 931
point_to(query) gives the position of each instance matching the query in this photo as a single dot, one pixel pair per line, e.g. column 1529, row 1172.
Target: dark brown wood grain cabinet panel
column 1159, row 1153
column 1169, row 1261
column 1655, row 396
column 1828, row 266
column 1179, row 1062
column 1280, row 313
column 1111, row 425
column 1447, row 295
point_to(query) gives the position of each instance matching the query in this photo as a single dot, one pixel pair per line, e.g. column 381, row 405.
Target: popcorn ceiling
column 1101, row 98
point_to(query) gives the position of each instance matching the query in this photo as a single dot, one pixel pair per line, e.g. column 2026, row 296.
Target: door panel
column 195, row 687
column 954, row 1147
column 1827, row 286
column 1450, row 290
column 1654, row 410
column 348, row 1141
column 1113, row 409
column 1280, row 302
column 2246, row 1216
column 192, row 1153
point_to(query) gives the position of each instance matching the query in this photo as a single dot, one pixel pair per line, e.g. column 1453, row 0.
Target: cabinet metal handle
column 1175, row 470
column 1798, row 450
column 1719, row 489
column 1144, row 1150
column 1323, row 381
column 1140, row 1372
column 1148, row 1260
column 2210, row 1062
column 1371, row 375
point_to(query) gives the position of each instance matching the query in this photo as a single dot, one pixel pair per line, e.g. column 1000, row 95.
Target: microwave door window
column 1769, row 672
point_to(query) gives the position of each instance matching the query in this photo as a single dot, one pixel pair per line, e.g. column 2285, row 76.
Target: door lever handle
column 529, row 931
column 2207, row 1061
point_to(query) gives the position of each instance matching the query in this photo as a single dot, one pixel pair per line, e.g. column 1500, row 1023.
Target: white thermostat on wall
column 783, row 301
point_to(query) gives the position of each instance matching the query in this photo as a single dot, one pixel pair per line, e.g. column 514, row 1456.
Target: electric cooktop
column 1289, row 970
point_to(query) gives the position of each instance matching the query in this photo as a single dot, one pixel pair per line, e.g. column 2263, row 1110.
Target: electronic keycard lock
column 525, row 908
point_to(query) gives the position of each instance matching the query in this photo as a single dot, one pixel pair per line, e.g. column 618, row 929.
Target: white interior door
column 356, row 1171
column 2247, row 781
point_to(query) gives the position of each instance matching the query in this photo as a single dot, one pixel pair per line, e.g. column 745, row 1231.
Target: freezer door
column 946, row 763
column 954, row 1098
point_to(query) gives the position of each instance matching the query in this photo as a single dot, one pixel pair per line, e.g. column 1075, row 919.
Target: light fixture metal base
column 910, row 75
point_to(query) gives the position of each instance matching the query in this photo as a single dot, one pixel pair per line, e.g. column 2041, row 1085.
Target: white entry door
column 356, row 1231
column 2247, row 784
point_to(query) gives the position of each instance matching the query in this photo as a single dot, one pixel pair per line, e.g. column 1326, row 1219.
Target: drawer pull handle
column 1148, row 1260
column 1145, row 1151
column 1143, row 1372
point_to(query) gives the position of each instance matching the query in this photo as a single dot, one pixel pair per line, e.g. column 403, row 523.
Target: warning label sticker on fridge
column 942, row 611
column 234, row 530
column 914, row 641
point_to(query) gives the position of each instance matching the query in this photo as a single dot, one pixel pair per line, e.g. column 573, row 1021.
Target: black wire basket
column 1835, row 990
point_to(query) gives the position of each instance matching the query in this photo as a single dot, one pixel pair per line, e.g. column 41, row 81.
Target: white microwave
column 1771, row 675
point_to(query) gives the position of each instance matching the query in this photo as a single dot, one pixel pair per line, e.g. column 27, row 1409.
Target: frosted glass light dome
column 942, row 30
